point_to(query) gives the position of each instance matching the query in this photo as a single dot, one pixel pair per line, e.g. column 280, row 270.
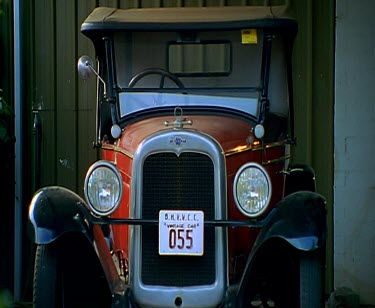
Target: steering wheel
column 156, row 71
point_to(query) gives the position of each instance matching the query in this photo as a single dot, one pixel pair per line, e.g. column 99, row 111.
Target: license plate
column 181, row 232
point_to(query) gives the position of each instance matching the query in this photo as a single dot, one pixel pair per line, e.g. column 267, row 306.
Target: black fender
column 55, row 210
column 300, row 220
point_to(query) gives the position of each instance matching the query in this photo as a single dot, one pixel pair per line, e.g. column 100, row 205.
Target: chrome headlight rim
column 91, row 170
column 235, row 183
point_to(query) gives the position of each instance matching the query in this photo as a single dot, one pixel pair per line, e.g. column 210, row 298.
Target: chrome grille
column 177, row 182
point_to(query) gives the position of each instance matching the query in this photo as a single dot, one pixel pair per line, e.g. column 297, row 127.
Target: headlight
column 103, row 188
column 252, row 189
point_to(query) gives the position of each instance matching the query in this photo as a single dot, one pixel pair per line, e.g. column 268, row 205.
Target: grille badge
column 177, row 140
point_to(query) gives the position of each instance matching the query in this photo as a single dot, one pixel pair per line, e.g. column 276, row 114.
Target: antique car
column 195, row 201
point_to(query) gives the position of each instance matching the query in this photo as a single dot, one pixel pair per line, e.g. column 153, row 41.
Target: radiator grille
column 183, row 182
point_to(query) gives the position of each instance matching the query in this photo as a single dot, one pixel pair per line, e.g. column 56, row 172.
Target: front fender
column 55, row 210
column 300, row 220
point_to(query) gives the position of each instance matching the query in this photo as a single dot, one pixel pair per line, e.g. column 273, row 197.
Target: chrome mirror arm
column 100, row 78
column 86, row 67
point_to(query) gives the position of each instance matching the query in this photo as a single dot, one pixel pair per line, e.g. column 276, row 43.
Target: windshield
column 201, row 69
column 133, row 102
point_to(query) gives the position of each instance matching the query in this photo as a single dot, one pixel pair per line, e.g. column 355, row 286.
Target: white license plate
column 181, row 232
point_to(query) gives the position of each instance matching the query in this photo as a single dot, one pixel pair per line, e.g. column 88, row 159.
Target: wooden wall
column 63, row 104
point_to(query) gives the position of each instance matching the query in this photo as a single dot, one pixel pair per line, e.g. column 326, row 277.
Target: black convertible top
column 104, row 19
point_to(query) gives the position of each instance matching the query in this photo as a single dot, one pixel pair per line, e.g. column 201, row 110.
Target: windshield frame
column 259, row 90
column 103, row 23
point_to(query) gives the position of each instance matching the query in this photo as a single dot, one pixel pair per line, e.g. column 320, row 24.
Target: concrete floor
column 6, row 302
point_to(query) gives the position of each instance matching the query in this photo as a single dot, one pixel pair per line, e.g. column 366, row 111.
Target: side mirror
column 86, row 68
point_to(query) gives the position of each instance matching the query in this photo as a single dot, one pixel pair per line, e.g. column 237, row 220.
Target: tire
column 46, row 277
column 311, row 279
column 68, row 274
column 294, row 279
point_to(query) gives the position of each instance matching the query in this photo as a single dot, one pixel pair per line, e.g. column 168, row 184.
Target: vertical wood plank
column 45, row 86
column 323, row 114
column 86, row 95
column 313, row 83
column 172, row 3
column 193, row 3
column 66, row 116
column 302, row 72
column 236, row 2
column 259, row 2
column 29, row 57
column 127, row 4
column 150, row 3
column 6, row 51
column 215, row 2
column 130, row 4
column 7, row 150
column 109, row 3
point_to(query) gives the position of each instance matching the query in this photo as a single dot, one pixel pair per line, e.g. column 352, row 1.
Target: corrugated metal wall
column 64, row 104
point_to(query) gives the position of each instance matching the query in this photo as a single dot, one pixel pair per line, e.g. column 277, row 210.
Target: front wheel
column 311, row 279
column 46, row 278
column 301, row 283
column 67, row 273
column 284, row 277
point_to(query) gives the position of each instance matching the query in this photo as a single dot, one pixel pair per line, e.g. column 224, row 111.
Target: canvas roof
column 188, row 18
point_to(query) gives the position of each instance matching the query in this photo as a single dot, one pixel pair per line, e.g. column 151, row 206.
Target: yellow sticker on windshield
column 249, row 36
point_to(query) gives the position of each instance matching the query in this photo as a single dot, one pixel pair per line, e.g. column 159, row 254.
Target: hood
column 230, row 133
